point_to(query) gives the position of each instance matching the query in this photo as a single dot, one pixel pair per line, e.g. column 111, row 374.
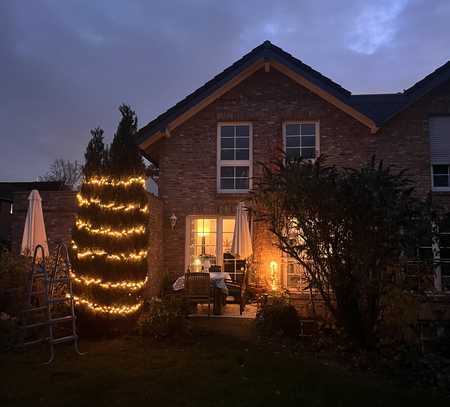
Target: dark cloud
column 65, row 66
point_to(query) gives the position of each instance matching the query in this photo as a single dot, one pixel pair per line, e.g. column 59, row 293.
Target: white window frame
column 219, row 238
column 235, row 163
column 439, row 189
column 317, row 128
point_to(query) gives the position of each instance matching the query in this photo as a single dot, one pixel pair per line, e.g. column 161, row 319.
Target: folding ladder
column 46, row 296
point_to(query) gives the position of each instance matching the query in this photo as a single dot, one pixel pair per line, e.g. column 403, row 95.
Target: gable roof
column 373, row 109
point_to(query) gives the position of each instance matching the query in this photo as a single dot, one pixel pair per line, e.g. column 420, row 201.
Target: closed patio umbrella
column 34, row 230
column 242, row 240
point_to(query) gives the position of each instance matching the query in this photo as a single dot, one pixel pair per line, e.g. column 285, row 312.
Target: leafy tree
column 96, row 156
column 346, row 228
column 110, row 237
column 66, row 172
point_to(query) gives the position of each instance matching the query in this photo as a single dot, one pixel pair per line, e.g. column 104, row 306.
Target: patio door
column 208, row 242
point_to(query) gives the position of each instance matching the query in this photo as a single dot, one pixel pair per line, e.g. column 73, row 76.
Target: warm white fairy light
column 115, row 183
column 107, row 231
column 107, row 309
column 130, row 256
column 107, row 285
column 113, row 206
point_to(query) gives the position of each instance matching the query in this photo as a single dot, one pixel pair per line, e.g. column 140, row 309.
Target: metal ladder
column 44, row 294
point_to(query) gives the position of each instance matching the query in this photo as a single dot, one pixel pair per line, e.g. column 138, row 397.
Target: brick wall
column 59, row 208
column 155, row 249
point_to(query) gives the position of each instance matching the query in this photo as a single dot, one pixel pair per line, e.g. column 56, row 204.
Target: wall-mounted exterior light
column 173, row 221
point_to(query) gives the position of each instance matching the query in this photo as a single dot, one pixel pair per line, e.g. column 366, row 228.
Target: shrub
column 13, row 274
column 164, row 318
column 345, row 227
column 275, row 316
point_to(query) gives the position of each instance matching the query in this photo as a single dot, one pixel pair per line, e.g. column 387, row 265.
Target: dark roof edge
column 264, row 51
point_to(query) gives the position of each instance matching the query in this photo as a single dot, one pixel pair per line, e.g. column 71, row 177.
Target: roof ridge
column 422, row 82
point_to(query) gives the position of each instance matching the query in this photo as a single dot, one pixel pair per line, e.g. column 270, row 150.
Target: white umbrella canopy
column 34, row 230
column 242, row 240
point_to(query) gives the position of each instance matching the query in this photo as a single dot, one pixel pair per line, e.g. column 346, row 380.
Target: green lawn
column 213, row 369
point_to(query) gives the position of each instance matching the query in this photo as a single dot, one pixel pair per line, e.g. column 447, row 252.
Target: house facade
column 208, row 148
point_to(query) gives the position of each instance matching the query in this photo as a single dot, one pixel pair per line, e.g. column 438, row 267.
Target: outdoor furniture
column 237, row 290
column 198, row 288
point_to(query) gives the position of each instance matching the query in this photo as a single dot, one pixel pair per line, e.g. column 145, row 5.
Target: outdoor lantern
column 173, row 221
column 273, row 274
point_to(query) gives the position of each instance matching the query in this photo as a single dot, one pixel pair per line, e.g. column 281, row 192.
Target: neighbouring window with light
column 209, row 243
column 234, row 157
column 300, row 140
column 439, row 132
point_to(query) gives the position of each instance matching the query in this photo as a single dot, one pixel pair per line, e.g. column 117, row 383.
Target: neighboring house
column 207, row 148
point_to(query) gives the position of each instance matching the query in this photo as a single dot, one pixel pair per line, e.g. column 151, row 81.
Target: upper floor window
column 301, row 139
column 234, row 156
column 439, row 129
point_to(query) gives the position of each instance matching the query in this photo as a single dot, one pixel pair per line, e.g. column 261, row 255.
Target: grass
column 212, row 369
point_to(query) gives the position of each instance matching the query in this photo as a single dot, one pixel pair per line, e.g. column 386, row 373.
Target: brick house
column 207, row 148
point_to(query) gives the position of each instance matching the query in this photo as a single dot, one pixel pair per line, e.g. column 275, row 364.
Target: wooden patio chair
column 237, row 290
column 198, row 289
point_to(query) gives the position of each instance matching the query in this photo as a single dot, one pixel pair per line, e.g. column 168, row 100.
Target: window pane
column 440, row 181
column 227, row 172
column 242, row 142
column 308, row 129
column 203, row 242
column 242, row 131
column 227, row 131
column 308, row 153
column 227, row 236
column 242, row 154
column 241, row 183
column 227, row 155
column 227, row 143
column 440, row 169
column 293, row 141
column 242, row 172
column 308, row 141
column 292, row 153
column 292, row 129
column 227, row 183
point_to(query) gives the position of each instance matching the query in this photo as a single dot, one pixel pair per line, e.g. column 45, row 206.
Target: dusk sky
column 67, row 65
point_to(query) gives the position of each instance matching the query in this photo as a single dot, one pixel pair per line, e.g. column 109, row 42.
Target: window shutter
column 439, row 128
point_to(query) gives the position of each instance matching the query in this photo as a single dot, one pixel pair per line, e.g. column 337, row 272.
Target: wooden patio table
column 218, row 285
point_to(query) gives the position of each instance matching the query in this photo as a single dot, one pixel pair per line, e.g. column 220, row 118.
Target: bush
column 13, row 275
column 275, row 316
column 164, row 318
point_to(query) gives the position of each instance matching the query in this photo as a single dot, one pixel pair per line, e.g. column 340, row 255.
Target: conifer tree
column 110, row 237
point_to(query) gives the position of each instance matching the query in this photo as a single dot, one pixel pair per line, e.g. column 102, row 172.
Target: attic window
column 234, row 153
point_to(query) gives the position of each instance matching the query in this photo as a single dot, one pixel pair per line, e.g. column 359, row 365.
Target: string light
column 114, row 183
column 107, row 309
column 139, row 230
column 114, row 257
column 107, row 285
column 113, row 206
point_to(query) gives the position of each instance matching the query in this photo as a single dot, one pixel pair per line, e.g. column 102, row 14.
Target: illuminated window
column 234, row 157
column 301, row 139
column 209, row 243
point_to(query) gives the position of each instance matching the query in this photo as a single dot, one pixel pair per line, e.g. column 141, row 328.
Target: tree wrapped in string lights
column 110, row 237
